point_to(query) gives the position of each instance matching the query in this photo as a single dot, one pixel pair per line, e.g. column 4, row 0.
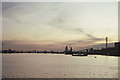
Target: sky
column 53, row 25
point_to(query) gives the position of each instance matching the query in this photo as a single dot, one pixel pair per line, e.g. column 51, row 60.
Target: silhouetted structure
column 117, row 49
column 117, row 44
column 75, row 53
column 106, row 42
column 68, row 51
column 111, row 51
column 70, row 48
column 32, row 51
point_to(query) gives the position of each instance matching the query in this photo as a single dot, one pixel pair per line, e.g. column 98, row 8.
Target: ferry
column 80, row 54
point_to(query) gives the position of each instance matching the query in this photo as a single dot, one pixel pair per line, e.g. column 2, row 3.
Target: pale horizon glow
column 53, row 25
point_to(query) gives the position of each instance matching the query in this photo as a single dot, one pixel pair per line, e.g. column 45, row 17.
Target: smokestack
column 106, row 42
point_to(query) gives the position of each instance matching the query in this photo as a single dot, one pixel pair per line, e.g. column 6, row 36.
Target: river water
column 58, row 66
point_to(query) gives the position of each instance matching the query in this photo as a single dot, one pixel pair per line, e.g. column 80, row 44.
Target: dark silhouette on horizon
column 111, row 51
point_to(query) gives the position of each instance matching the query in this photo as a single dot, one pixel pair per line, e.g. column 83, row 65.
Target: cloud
column 90, row 41
column 95, row 39
column 90, row 37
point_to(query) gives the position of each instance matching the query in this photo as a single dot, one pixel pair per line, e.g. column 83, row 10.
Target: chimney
column 106, row 42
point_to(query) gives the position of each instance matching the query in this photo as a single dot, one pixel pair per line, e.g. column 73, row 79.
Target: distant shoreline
column 61, row 53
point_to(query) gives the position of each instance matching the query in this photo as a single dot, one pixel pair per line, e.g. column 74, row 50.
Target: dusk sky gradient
column 53, row 25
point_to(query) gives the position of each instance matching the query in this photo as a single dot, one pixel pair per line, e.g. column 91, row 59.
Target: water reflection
column 59, row 66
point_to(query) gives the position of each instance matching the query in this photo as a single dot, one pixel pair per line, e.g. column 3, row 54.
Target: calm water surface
column 59, row 66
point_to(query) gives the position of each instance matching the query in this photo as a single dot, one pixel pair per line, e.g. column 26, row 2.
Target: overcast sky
column 53, row 25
